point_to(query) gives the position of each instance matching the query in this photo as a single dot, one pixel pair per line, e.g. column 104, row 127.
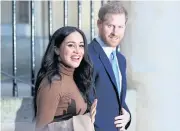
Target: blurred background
column 151, row 46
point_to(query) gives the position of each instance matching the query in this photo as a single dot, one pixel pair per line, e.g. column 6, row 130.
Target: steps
column 17, row 112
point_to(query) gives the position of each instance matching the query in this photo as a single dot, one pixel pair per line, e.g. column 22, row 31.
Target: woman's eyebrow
column 74, row 42
column 70, row 42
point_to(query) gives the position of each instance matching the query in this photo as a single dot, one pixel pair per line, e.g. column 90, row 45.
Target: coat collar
column 105, row 61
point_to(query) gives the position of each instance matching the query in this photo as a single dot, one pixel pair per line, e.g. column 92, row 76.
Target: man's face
column 112, row 29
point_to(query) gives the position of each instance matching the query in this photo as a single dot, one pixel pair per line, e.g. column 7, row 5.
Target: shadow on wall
column 25, row 116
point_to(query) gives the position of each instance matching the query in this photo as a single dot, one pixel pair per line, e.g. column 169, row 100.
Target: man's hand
column 122, row 120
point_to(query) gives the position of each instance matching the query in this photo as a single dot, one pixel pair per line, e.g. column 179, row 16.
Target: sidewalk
column 24, row 90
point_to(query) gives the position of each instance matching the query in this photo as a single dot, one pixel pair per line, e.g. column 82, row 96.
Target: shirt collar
column 108, row 50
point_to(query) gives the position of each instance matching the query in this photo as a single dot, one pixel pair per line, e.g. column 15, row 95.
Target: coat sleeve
column 124, row 105
column 48, row 98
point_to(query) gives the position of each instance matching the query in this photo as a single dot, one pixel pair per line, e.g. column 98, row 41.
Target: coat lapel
column 105, row 61
column 122, row 70
column 120, row 66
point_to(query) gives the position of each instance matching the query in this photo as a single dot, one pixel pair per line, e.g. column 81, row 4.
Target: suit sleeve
column 124, row 105
column 47, row 101
column 126, row 108
column 92, row 92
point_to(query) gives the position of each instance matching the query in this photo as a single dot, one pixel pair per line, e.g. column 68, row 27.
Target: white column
column 152, row 47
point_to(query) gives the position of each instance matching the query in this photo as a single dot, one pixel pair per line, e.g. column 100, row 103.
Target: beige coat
column 77, row 123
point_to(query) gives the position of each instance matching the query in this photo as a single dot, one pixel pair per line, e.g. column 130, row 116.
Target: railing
column 33, row 19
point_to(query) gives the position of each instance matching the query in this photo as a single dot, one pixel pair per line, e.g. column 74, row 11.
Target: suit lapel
column 122, row 70
column 105, row 61
column 120, row 66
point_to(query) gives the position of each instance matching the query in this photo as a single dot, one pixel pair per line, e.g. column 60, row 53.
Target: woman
column 64, row 79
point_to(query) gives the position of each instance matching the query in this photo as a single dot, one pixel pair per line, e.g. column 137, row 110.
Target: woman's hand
column 93, row 111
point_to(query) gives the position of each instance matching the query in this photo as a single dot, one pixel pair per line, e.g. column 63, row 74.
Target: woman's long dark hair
column 49, row 65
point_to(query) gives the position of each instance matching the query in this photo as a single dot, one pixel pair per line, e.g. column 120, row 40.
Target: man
column 110, row 69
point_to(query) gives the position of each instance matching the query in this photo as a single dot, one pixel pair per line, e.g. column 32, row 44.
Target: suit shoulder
column 90, row 45
column 121, row 56
column 91, row 49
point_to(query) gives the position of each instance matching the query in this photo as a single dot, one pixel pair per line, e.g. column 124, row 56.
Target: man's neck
column 104, row 44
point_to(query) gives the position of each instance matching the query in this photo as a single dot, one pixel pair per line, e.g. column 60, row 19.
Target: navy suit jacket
column 109, row 104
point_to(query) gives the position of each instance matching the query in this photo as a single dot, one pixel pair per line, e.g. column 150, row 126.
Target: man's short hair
column 112, row 7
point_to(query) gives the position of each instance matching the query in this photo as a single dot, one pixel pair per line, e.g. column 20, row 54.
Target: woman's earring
column 56, row 50
column 59, row 59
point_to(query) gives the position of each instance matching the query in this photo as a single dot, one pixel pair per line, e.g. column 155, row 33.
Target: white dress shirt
column 108, row 50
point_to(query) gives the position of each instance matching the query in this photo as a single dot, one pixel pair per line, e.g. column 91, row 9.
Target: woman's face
column 71, row 50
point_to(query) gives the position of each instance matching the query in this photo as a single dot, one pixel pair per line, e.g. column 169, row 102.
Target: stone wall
column 17, row 113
